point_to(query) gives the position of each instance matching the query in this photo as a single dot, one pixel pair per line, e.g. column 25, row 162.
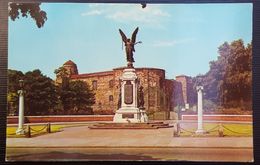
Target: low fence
column 53, row 119
column 29, row 131
column 246, row 118
column 220, row 129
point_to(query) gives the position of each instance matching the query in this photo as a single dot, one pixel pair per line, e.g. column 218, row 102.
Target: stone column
column 200, row 110
column 20, row 130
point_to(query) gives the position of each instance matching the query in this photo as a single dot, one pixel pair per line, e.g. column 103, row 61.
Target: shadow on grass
column 62, row 156
column 32, row 135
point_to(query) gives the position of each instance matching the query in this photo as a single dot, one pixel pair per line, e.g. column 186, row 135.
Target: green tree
column 83, row 97
column 62, row 76
column 237, row 84
column 73, row 95
column 77, row 96
column 40, row 93
column 13, row 86
column 25, row 9
column 228, row 83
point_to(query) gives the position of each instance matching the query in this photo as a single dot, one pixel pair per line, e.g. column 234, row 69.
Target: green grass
column 37, row 130
column 229, row 130
column 239, row 130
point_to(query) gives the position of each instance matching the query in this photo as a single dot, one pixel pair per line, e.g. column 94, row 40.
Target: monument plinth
column 129, row 111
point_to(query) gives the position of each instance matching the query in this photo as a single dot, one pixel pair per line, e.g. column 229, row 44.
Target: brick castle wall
column 158, row 91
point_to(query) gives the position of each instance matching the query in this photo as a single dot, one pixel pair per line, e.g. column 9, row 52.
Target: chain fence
column 220, row 128
column 242, row 133
column 36, row 131
column 29, row 131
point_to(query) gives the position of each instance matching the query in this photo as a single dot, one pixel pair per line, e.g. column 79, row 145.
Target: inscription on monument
column 128, row 92
column 127, row 115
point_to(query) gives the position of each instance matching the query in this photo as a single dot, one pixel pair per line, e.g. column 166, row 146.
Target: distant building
column 183, row 90
column 158, row 91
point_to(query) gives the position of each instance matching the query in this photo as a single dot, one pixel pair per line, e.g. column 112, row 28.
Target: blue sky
column 179, row 38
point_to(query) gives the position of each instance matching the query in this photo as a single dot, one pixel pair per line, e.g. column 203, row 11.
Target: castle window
column 111, row 83
column 111, row 98
column 94, row 85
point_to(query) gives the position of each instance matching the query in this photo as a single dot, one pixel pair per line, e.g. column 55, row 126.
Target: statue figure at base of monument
column 141, row 98
column 129, row 46
column 119, row 99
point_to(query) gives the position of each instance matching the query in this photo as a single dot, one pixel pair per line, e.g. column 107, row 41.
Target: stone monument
column 129, row 108
column 200, row 129
column 20, row 130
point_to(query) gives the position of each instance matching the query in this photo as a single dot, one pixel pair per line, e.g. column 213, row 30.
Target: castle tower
column 182, row 90
column 71, row 68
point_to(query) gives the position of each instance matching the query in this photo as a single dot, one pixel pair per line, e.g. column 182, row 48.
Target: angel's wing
column 124, row 38
column 134, row 35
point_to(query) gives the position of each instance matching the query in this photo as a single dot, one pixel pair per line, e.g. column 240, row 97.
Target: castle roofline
column 106, row 73
column 85, row 75
column 147, row 68
column 182, row 75
column 69, row 63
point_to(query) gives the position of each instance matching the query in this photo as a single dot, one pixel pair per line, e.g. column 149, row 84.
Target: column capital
column 199, row 88
column 20, row 92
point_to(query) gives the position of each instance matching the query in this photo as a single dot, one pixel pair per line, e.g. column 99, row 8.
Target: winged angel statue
column 129, row 46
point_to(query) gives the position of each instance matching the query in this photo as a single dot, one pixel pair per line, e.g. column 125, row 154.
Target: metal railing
column 220, row 128
column 29, row 131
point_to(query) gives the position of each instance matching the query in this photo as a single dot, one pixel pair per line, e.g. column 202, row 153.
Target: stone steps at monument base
column 153, row 125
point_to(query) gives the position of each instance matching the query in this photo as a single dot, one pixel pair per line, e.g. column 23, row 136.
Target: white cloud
column 129, row 13
column 164, row 43
column 172, row 42
column 92, row 12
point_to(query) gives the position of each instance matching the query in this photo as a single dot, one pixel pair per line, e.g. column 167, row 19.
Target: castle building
column 158, row 91
column 183, row 94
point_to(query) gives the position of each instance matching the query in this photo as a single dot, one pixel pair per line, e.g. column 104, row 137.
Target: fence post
column 220, row 131
column 28, row 133
column 48, row 129
column 176, row 129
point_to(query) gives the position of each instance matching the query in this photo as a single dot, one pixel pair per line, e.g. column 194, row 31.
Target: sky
column 179, row 38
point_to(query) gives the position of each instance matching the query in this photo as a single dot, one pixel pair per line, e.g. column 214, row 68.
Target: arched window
column 111, row 83
column 111, row 98
column 94, row 84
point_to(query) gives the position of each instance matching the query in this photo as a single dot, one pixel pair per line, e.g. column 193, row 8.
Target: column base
column 144, row 117
column 200, row 131
column 20, row 131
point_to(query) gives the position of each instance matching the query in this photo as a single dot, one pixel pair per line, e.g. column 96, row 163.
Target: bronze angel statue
column 129, row 46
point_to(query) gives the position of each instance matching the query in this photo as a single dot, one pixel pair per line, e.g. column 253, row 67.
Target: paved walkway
column 83, row 137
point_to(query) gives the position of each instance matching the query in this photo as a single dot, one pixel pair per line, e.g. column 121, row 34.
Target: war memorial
column 137, row 112
column 130, row 132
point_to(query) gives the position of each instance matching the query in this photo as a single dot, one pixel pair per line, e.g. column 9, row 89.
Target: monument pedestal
column 129, row 112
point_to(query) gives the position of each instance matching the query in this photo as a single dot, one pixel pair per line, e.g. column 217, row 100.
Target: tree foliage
column 77, row 96
column 74, row 95
column 13, row 86
column 25, row 9
column 228, row 83
column 44, row 97
column 41, row 94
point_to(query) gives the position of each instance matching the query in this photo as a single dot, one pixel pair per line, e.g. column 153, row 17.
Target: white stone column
column 200, row 110
column 20, row 130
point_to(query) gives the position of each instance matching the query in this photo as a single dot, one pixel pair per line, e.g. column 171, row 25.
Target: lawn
column 229, row 130
column 37, row 130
